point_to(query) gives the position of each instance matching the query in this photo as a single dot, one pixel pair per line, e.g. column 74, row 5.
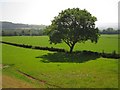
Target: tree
column 3, row 33
column 15, row 33
column 72, row 26
column 23, row 32
column 109, row 31
column 30, row 32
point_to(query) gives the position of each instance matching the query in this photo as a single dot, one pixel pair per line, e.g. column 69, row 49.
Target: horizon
column 107, row 25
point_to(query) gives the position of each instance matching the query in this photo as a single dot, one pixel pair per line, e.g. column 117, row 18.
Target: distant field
column 53, row 70
column 108, row 43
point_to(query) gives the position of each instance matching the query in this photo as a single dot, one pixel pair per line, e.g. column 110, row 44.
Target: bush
column 110, row 55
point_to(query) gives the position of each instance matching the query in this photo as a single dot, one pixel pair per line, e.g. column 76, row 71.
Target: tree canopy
column 72, row 26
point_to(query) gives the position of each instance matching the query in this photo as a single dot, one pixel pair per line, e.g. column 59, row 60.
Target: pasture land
column 108, row 43
column 45, row 69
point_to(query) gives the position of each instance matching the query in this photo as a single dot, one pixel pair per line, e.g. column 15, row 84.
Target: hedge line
column 104, row 55
column 35, row 47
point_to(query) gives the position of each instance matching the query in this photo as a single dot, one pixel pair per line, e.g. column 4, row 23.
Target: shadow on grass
column 67, row 57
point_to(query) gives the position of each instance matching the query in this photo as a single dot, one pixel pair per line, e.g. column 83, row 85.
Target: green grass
column 66, row 71
column 108, row 43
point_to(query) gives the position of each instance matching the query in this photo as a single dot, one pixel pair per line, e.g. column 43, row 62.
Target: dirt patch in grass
column 11, row 82
column 0, row 81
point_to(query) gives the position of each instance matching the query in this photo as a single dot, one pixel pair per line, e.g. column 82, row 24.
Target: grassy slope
column 12, row 82
column 100, row 73
column 108, row 43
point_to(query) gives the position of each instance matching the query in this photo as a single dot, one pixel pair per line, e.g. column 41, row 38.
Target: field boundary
column 103, row 54
column 35, row 47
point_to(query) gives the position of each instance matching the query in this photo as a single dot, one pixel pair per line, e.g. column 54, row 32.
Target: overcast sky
column 43, row 11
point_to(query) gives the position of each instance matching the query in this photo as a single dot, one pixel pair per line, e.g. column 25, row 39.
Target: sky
column 43, row 11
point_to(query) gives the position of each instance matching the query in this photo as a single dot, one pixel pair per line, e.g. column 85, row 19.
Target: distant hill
column 10, row 26
column 17, row 29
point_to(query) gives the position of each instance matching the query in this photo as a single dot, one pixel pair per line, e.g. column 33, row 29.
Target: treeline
column 42, row 31
column 22, row 32
column 109, row 31
column 16, row 29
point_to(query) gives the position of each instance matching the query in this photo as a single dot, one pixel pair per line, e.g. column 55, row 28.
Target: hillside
column 16, row 29
column 10, row 25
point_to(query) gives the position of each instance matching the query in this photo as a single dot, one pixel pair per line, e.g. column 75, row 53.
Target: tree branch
column 67, row 42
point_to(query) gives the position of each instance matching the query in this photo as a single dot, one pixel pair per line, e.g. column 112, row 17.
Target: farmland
column 108, row 43
column 58, row 70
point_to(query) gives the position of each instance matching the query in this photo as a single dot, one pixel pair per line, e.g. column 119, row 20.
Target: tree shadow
column 67, row 57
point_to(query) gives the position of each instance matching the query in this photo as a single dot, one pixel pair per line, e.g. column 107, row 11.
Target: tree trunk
column 71, row 48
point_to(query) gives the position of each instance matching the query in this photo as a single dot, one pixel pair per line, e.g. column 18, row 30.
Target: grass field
column 108, row 43
column 53, row 70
